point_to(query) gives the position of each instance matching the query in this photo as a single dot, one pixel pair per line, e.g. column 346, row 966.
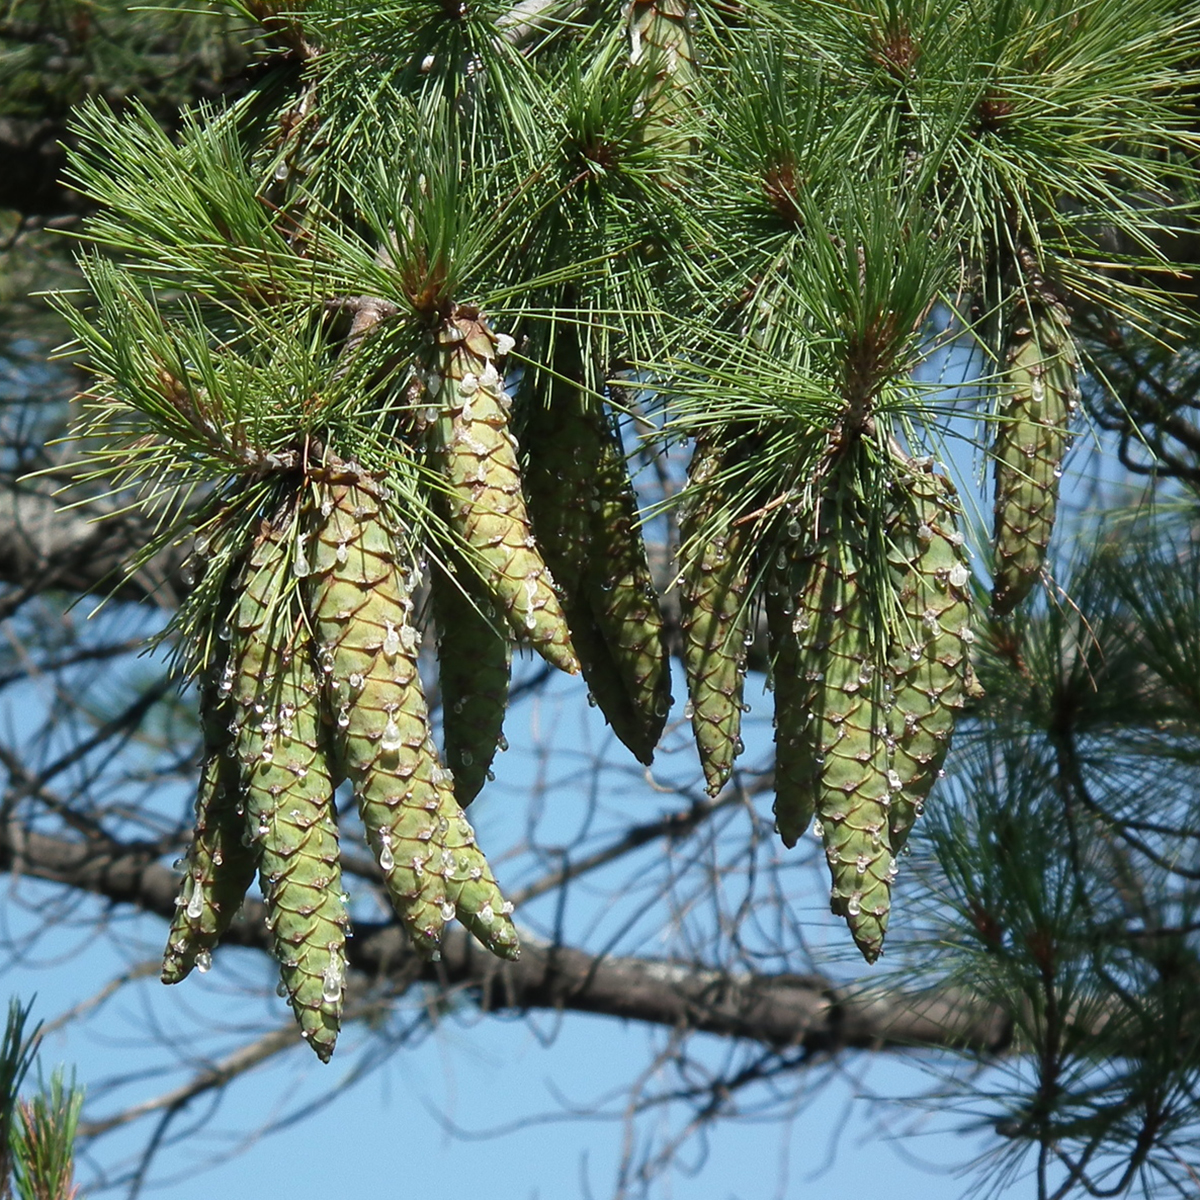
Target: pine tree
column 381, row 336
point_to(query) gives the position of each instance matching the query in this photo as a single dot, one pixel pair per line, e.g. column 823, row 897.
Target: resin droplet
column 331, row 984
column 300, row 564
column 391, row 642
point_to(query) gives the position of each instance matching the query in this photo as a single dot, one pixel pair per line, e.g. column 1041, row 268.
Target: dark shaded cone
column 715, row 617
column 219, row 866
column 474, row 659
column 620, row 589
column 616, row 637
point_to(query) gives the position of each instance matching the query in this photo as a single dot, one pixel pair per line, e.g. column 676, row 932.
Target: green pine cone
column 219, row 867
column 280, row 743
column 620, row 590
column 832, row 725
column 1040, row 392
column 471, row 887
column 359, row 602
column 563, row 450
column 930, row 659
column 478, row 456
column 715, row 619
column 563, row 459
column 797, row 777
column 474, row 657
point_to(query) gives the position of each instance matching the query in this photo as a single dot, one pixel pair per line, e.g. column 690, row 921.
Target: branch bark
column 44, row 548
column 778, row 1010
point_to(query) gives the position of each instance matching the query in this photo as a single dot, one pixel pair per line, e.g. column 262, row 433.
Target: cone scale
column 478, row 457
column 1039, row 394
column 359, row 602
column 715, row 619
column 288, row 793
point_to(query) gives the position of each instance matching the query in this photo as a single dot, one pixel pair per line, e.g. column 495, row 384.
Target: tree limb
column 777, row 1010
column 44, row 548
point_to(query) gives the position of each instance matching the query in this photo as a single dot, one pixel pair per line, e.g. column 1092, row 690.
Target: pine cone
column 585, row 516
column 830, row 720
column 1039, row 394
column 360, row 605
column 715, row 619
column 281, row 739
column 219, row 866
column 474, row 659
column 930, row 660
column 477, row 454
column 619, row 587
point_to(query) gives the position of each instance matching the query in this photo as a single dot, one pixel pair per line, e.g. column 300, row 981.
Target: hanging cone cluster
column 586, row 517
column 320, row 684
column 715, row 619
column 1039, row 394
column 868, row 676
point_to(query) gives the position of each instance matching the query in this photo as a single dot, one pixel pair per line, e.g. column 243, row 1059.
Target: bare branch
column 44, row 548
column 778, row 1010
